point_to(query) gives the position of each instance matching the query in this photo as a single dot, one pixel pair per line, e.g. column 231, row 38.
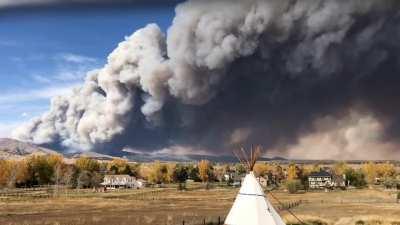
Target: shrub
column 360, row 222
column 293, row 186
column 356, row 178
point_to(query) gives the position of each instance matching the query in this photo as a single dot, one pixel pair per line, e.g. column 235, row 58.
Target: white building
column 321, row 179
column 122, row 181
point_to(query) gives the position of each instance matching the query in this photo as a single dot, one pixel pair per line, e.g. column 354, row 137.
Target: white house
column 320, row 179
column 122, row 181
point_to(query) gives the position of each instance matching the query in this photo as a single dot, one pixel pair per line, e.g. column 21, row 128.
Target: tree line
column 369, row 173
column 86, row 172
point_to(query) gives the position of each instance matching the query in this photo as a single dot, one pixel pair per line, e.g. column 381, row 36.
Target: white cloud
column 74, row 58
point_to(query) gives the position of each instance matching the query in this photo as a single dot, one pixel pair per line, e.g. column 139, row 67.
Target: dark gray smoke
column 282, row 73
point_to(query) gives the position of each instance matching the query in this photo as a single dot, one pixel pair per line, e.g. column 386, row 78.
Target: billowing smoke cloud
column 232, row 72
column 355, row 136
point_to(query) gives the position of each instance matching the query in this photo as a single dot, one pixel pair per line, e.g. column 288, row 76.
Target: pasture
column 168, row 206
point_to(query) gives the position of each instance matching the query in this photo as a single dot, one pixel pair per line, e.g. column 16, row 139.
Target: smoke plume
column 232, row 72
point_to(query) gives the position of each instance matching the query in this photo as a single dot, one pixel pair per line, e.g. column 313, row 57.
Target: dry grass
column 361, row 207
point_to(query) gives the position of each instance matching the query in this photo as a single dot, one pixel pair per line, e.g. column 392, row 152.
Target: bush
column 293, row 186
column 356, row 178
column 360, row 222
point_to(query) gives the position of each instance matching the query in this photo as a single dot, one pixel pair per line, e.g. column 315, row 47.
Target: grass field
column 169, row 206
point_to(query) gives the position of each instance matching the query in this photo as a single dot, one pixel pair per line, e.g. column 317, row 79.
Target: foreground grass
column 169, row 206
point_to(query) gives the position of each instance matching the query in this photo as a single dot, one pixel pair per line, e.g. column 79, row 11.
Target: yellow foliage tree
column 118, row 163
column 170, row 172
column 386, row 170
column 204, row 169
column 370, row 171
column 158, row 173
column 5, row 172
column 87, row 164
column 261, row 169
column 55, row 160
column 340, row 168
column 292, row 172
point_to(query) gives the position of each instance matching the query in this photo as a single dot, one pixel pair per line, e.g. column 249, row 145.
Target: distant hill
column 148, row 157
column 92, row 155
column 14, row 149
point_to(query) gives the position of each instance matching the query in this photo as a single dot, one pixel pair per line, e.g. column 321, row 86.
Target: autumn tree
column 12, row 173
column 370, row 171
column 170, row 172
column 96, row 179
column 293, row 172
column 261, row 169
column 204, row 171
column 340, row 168
column 5, row 171
column 278, row 173
column 158, row 173
column 240, row 169
column 181, row 175
column 118, row 166
column 386, row 170
column 355, row 178
column 40, row 170
column 84, row 179
column 87, row 164
column 70, row 175
column 193, row 173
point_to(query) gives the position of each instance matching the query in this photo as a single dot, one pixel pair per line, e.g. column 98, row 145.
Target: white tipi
column 251, row 207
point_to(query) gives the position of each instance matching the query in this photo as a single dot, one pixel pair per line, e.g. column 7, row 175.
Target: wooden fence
column 55, row 192
column 204, row 221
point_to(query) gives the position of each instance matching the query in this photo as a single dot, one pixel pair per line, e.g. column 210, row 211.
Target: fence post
column 183, row 222
column 204, row 221
column 219, row 220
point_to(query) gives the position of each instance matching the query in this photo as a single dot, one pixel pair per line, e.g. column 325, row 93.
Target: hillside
column 14, row 149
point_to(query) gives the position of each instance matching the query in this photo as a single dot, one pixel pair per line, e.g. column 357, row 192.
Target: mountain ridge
column 15, row 149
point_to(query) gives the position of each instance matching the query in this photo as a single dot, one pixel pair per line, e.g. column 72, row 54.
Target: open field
column 169, row 206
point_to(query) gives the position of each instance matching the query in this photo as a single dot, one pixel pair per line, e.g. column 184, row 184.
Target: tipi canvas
column 251, row 207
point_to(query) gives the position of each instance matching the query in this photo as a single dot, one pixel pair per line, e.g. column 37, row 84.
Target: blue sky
column 47, row 52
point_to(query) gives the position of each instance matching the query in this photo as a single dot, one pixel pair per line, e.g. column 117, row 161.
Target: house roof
column 117, row 176
column 321, row 173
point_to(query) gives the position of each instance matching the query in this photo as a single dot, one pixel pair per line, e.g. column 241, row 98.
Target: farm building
column 320, row 179
column 122, row 181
